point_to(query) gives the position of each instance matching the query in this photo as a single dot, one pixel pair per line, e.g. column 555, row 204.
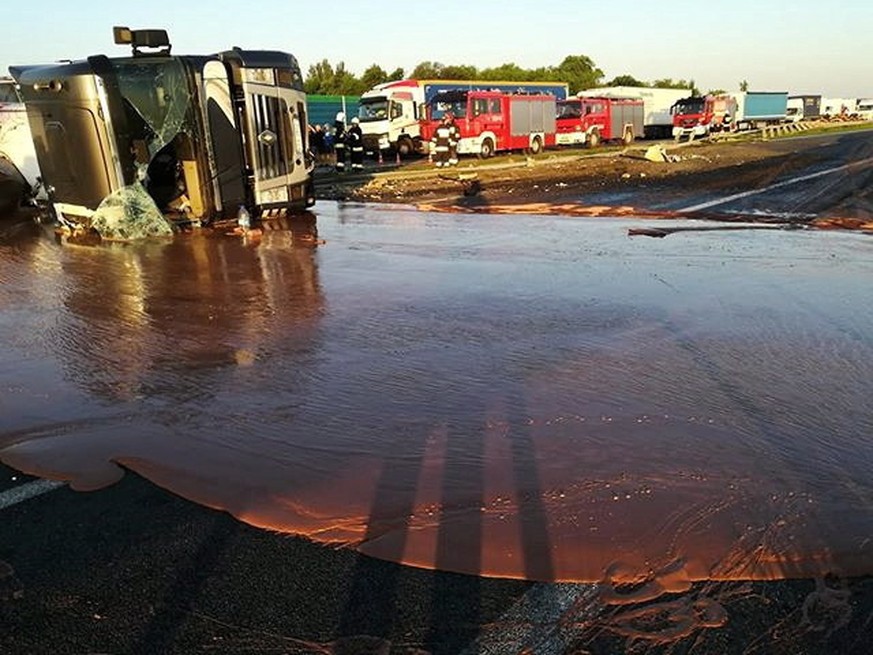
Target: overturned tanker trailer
column 140, row 145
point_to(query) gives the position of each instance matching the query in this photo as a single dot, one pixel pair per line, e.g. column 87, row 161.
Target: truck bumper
column 571, row 138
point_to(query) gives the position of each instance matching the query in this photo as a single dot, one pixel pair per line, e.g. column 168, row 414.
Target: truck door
column 274, row 136
column 228, row 162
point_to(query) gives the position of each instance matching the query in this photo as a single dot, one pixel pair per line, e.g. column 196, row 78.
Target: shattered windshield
column 157, row 100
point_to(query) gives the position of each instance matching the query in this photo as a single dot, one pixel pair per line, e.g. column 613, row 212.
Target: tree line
column 578, row 71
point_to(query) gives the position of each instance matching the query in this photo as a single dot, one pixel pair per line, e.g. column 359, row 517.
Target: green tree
column 579, row 72
column 319, row 78
column 744, row 86
column 427, row 70
column 345, row 83
column 396, row 74
column 373, row 75
column 459, row 72
column 625, row 80
column 509, row 72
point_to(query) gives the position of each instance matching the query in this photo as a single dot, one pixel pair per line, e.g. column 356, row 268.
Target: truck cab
column 698, row 116
column 193, row 137
column 389, row 119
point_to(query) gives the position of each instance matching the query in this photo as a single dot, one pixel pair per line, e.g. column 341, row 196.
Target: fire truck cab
column 591, row 120
column 697, row 116
column 493, row 121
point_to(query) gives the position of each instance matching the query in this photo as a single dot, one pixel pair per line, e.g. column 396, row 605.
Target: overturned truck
column 138, row 145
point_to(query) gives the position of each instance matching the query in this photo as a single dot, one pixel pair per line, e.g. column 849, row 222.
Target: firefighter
column 339, row 141
column 355, row 142
column 444, row 143
column 454, row 139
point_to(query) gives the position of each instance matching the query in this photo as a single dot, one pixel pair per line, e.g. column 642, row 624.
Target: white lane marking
column 546, row 620
column 27, row 491
column 746, row 194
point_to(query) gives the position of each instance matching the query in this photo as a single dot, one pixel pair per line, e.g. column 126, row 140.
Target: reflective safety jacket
column 445, row 137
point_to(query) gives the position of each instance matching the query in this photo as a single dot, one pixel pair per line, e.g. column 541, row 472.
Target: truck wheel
column 487, row 149
column 536, row 146
column 594, row 139
column 628, row 137
column 404, row 147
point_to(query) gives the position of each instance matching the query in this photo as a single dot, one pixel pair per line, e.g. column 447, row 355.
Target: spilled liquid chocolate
column 525, row 397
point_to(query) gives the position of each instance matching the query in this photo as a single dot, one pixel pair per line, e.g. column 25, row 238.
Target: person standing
column 444, row 143
column 454, row 139
column 355, row 141
column 339, row 141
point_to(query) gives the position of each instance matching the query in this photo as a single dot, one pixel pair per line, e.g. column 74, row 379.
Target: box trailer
column 760, row 108
column 803, row 108
column 833, row 107
column 17, row 153
column 864, row 109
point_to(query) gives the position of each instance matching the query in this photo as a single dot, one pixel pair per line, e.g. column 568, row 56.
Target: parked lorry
column 19, row 171
column 194, row 138
column 657, row 119
column 803, row 108
column 494, row 121
column 864, row 109
column 391, row 114
column 834, row 107
column 590, row 121
column 744, row 110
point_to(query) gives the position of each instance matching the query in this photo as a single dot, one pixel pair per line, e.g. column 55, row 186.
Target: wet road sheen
column 517, row 396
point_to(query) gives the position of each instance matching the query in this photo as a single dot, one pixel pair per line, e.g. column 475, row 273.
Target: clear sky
column 799, row 46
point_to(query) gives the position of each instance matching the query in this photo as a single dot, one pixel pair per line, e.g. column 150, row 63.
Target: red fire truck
column 592, row 120
column 700, row 115
column 493, row 121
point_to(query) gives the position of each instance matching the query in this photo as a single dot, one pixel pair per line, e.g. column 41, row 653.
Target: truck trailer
column 803, row 108
column 191, row 139
column 391, row 114
column 492, row 121
column 657, row 119
column 18, row 166
column 590, row 121
column 835, row 107
column 698, row 116
column 864, row 109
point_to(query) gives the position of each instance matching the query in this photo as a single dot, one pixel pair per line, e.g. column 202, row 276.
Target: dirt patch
column 568, row 175
column 616, row 181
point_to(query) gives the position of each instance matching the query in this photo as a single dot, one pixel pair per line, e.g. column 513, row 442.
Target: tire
column 487, row 149
column 536, row 146
column 404, row 147
column 594, row 139
column 628, row 137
